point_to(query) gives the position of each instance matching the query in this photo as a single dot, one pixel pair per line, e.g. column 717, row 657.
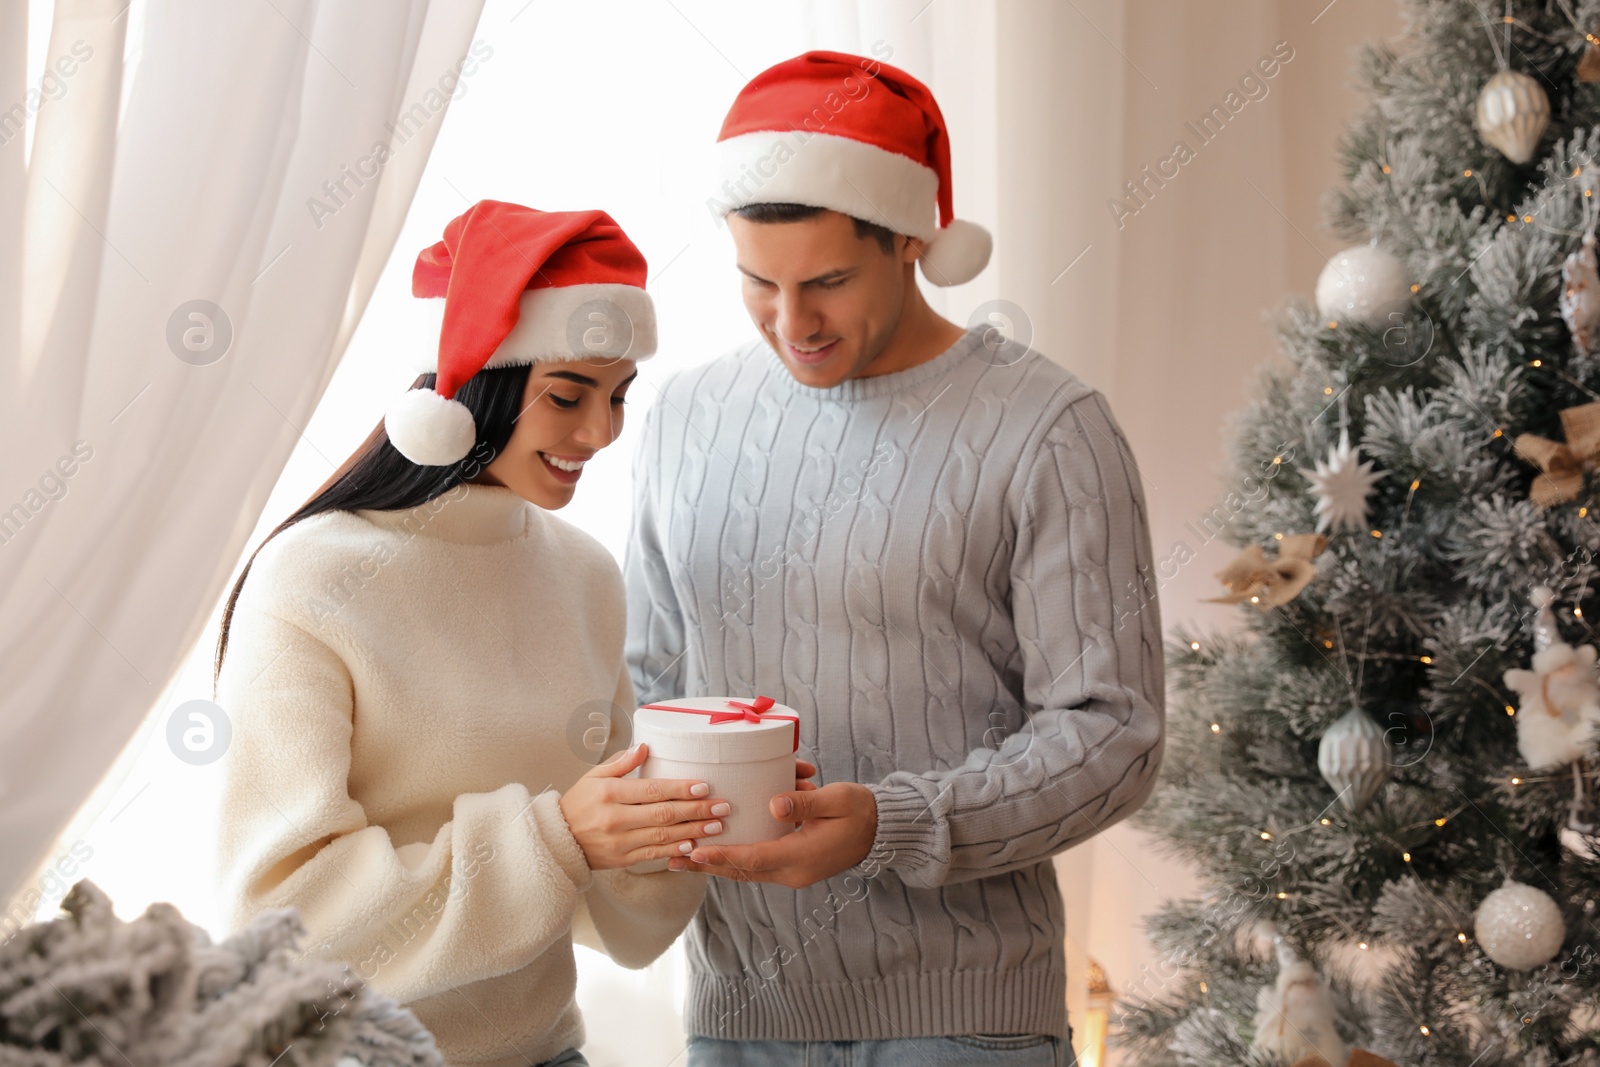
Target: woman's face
column 569, row 412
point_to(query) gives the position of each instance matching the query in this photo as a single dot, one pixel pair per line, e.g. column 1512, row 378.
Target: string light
column 1332, row 325
column 1516, row 781
column 1326, row 643
column 1439, row 821
column 1510, row 710
column 1415, row 287
column 1537, row 363
column 1406, row 856
column 1216, row 728
column 1467, row 173
column 1377, row 533
column 1327, row 822
column 1265, row 836
column 1461, row 937
column 1386, row 168
column 1362, row 946
column 1195, row 645
column 1414, row 483
column 1425, row 1030
column 1424, row 659
column 1498, row 432
column 1283, row 896
column 1327, row 390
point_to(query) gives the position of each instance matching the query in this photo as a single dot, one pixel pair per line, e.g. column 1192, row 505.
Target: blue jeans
column 990, row 1050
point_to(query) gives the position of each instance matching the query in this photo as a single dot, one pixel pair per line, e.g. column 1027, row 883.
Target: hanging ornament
column 1341, row 486
column 1361, row 285
column 1271, row 583
column 1559, row 708
column 1519, row 926
column 1580, row 295
column 1294, row 1017
column 1354, row 758
column 1513, row 112
column 1563, row 464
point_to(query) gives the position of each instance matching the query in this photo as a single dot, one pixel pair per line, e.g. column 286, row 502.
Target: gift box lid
column 718, row 729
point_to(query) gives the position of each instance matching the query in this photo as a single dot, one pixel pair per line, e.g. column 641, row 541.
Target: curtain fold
column 176, row 290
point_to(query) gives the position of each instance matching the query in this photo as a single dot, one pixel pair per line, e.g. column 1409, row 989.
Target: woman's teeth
column 563, row 464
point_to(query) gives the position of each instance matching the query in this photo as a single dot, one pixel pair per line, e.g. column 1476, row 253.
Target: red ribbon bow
column 755, row 711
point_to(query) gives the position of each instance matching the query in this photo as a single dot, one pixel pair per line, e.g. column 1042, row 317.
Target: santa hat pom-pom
column 957, row 253
column 429, row 430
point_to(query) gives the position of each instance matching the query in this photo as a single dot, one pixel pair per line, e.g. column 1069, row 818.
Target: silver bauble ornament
column 1519, row 926
column 1513, row 112
column 1361, row 285
column 1354, row 758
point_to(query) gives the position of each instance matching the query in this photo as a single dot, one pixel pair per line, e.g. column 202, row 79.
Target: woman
column 419, row 662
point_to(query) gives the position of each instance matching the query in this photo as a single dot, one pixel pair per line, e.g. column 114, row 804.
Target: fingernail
column 676, row 865
column 785, row 806
column 686, row 847
column 698, row 857
column 699, row 789
column 713, row 828
column 720, row 809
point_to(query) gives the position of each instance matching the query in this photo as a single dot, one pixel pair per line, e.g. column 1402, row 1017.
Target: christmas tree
column 1386, row 775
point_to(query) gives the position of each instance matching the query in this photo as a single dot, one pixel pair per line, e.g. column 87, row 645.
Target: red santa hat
column 837, row 131
column 519, row 286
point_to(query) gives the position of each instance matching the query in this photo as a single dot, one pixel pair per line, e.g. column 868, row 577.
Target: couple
column 932, row 546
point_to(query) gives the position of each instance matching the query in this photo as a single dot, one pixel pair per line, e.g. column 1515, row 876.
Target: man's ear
column 913, row 248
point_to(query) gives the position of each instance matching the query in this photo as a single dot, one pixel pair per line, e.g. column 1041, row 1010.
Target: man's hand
column 839, row 822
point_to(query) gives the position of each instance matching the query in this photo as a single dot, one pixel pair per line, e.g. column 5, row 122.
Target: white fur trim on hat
column 572, row 322
column 828, row 171
column 599, row 321
column 429, row 430
column 958, row 254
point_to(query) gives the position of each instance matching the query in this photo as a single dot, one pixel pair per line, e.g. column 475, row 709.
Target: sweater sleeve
column 495, row 888
column 1088, row 629
column 634, row 917
column 655, row 640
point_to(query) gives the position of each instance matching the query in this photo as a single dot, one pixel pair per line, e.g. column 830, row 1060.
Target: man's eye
column 562, row 402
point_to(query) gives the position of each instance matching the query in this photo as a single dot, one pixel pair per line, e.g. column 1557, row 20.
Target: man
column 934, row 547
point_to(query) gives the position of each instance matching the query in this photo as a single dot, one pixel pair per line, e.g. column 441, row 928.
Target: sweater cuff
column 911, row 840
column 545, row 810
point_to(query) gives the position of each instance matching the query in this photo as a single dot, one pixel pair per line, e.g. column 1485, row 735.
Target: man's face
column 826, row 300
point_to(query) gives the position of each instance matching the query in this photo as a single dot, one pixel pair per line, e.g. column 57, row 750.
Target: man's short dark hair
column 798, row 212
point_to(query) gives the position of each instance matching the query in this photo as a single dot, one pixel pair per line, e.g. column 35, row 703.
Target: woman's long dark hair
column 379, row 478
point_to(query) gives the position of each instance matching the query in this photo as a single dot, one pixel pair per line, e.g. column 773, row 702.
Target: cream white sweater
column 409, row 693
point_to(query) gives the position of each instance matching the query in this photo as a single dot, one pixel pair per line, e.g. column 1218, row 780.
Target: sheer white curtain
column 171, row 310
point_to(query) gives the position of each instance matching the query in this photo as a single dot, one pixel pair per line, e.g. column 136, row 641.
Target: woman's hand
column 620, row 821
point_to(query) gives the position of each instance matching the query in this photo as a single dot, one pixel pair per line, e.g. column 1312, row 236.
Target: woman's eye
column 562, row 402
column 619, row 400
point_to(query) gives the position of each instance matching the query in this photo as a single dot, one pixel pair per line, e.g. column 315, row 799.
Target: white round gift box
column 746, row 758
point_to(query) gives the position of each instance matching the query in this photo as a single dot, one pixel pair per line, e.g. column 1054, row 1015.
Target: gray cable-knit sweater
column 947, row 571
